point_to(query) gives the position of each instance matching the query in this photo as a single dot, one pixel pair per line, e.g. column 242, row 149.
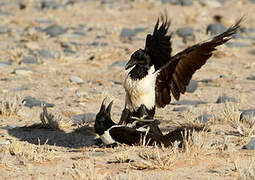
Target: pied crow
column 131, row 134
column 139, row 132
column 155, row 74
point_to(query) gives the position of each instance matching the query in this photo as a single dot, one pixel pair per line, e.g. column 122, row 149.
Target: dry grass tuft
column 10, row 107
column 30, row 152
column 156, row 158
column 16, row 54
column 54, row 120
column 33, row 35
column 86, row 170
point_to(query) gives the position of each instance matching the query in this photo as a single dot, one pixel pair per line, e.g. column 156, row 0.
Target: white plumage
column 141, row 91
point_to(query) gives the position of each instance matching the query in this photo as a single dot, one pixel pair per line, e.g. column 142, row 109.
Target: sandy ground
column 30, row 151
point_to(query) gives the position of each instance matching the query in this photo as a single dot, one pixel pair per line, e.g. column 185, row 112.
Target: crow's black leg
column 125, row 117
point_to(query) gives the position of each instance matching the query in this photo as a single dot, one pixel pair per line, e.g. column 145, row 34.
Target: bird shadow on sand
column 39, row 134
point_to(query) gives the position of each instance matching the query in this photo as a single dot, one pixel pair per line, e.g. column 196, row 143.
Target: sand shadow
column 38, row 134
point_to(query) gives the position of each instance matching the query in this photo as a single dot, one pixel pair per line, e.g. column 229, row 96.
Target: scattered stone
column 45, row 54
column 248, row 116
column 251, row 78
column 81, row 34
column 193, row 84
column 215, row 28
column 224, row 98
column 72, row 35
column 69, row 51
column 29, row 60
column 238, row 36
column 211, row 3
column 33, row 102
column 250, row 145
column 178, row 2
column 187, row 33
column 22, row 6
column 5, row 63
column 22, row 88
column 127, row 33
column 43, row 20
column 237, row 44
column 183, row 108
column 119, row 63
column 252, row 1
column 206, row 80
column 204, row 118
column 75, row 79
column 188, row 102
column 49, row 5
column 83, row 118
column 5, row 29
column 23, row 71
column 54, row 30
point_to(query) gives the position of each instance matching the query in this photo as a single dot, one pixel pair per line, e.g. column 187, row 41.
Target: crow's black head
column 139, row 57
column 103, row 119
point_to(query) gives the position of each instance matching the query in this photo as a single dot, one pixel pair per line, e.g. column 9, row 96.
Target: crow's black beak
column 130, row 63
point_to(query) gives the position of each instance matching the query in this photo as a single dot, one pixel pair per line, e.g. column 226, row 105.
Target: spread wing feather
column 158, row 45
column 175, row 75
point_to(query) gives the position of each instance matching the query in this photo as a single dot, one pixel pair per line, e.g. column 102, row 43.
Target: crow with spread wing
column 156, row 75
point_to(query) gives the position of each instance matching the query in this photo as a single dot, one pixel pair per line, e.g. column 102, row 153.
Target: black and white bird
column 131, row 134
column 139, row 132
column 156, row 75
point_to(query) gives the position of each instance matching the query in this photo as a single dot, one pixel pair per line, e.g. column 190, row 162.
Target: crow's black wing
column 131, row 136
column 158, row 45
column 176, row 74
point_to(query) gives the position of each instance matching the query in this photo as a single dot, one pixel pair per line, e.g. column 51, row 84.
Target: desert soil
column 82, row 61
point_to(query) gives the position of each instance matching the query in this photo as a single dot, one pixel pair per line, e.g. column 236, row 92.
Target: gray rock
column 5, row 29
column 29, row 60
column 206, row 80
column 238, row 36
column 33, row 102
column 211, row 3
column 22, row 88
column 252, row 1
column 5, row 63
column 46, row 4
column 193, row 84
column 23, row 71
column 188, row 102
column 183, row 108
column 81, row 34
column 75, row 79
column 54, row 30
column 72, row 35
column 43, row 20
column 250, row 145
column 178, row 2
column 224, row 98
column 237, row 44
column 69, row 51
column 83, row 118
column 45, row 54
column 119, row 63
column 204, row 118
column 187, row 33
column 251, row 78
column 127, row 33
column 248, row 116
column 215, row 28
